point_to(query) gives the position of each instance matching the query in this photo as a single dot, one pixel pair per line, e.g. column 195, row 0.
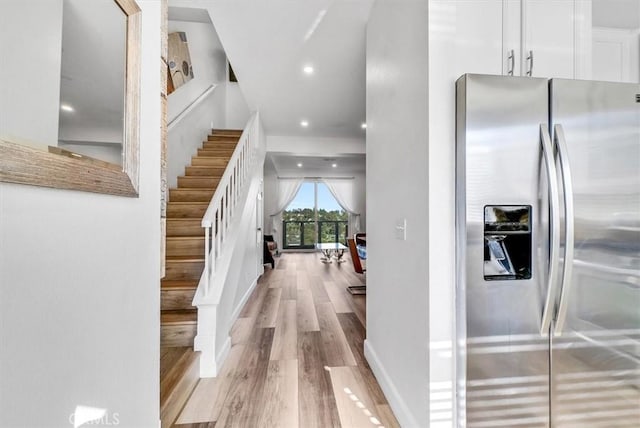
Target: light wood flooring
column 296, row 358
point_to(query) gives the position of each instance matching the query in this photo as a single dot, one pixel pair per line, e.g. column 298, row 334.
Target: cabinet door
column 478, row 35
column 512, row 38
column 548, row 44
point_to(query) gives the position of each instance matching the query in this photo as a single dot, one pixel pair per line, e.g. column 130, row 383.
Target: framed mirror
column 69, row 94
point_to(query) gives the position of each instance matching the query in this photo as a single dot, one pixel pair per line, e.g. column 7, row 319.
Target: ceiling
column 616, row 13
column 286, row 165
column 270, row 42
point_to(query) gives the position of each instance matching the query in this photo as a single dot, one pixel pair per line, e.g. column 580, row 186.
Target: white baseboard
column 399, row 407
column 222, row 355
column 243, row 301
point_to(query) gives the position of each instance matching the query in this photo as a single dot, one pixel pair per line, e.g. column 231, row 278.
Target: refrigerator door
column 595, row 356
column 502, row 229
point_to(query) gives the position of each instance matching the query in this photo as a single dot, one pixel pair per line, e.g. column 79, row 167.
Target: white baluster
column 207, row 274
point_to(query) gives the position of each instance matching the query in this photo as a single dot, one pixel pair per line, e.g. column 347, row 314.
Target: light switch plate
column 401, row 229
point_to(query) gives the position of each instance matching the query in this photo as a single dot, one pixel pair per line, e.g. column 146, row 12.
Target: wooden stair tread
column 204, row 171
column 178, row 284
column 204, row 161
column 184, row 259
column 187, row 203
column 185, row 238
column 169, row 358
column 213, row 150
column 180, row 316
column 226, row 134
column 196, row 182
column 184, row 227
column 174, row 369
column 182, row 220
column 219, row 141
column 215, row 154
column 230, row 130
column 191, row 190
column 191, row 195
column 185, row 246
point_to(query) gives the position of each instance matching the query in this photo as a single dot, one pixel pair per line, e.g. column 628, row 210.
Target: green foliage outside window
column 306, row 214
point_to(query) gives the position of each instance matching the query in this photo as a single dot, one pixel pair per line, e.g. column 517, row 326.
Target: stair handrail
column 192, row 105
column 221, row 209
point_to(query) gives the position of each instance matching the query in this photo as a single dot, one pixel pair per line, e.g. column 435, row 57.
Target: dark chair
column 361, row 239
column 272, row 244
column 357, row 266
column 267, row 257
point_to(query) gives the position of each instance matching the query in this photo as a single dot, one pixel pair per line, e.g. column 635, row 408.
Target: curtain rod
column 316, row 178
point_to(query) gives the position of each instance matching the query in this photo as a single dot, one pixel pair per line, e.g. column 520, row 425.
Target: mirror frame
column 65, row 170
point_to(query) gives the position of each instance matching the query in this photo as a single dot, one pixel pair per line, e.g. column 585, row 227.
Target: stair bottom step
column 178, row 335
column 179, row 373
column 178, row 328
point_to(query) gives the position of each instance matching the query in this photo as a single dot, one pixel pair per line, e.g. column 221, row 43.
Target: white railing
column 192, row 105
column 222, row 208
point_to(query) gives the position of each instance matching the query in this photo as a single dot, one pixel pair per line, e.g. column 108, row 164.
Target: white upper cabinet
column 545, row 38
column 540, row 38
column 615, row 47
column 478, row 31
column 548, row 38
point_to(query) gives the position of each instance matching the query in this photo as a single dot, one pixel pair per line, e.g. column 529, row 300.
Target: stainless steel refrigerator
column 548, row 252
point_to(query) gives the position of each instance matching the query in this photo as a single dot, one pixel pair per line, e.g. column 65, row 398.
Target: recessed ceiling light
column 308, row 69
column 363, row 125
column 66, row 107
column 299, row 164
column 304, row 123
column 334, row 165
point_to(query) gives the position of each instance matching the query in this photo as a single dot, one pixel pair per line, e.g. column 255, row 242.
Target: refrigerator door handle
column 565, row 173
column 554, row 228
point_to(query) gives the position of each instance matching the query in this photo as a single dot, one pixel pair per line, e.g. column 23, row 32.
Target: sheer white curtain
column 344, row 192
column 287, row 191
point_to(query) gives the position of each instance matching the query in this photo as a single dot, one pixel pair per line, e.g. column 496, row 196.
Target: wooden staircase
column 184, row 265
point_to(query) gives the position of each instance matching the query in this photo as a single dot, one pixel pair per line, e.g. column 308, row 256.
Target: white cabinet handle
column 530, row 60
column 512, row 62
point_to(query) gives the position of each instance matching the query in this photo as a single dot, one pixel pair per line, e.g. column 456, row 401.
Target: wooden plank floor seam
column 297, row 357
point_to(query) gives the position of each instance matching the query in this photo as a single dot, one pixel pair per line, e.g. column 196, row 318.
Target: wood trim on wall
column 164, row 190
column 22, row 164
column 25, row 165
column 131, row 146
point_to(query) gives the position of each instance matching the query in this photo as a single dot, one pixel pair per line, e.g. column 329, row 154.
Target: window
column 313, row 216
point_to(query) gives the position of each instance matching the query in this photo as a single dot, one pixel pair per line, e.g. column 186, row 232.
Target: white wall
column 315, row 145
column 185, row 136
column 79, row 286
column 224, row 108
column 208, row 60
column 30, row 45
column 237, row 110
column 397, row 182
column 360, row 189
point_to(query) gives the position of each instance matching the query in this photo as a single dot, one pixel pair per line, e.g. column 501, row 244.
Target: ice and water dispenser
column 507, row 242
